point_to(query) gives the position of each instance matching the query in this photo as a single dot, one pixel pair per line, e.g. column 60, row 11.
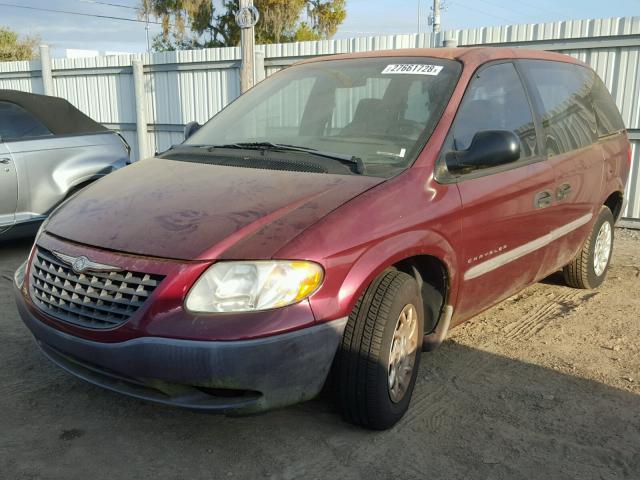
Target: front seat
column 372, row 116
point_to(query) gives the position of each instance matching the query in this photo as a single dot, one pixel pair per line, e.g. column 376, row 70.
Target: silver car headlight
column 246, row 286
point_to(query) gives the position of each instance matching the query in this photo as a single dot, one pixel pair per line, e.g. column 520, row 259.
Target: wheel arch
column 615, row 203
column 426, row 255
column 432, row 276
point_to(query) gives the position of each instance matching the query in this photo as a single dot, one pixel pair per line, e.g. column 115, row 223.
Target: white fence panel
column 194, row 85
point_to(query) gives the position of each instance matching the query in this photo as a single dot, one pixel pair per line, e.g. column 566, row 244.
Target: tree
column 14, row 48
column 326, row 16
column 280, row 21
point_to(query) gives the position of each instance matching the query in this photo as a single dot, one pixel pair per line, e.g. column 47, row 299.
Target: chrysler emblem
column 79, row 265
column 83, row 264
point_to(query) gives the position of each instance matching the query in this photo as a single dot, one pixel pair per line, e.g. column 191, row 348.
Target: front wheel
column 380, row 352
column 589, row 268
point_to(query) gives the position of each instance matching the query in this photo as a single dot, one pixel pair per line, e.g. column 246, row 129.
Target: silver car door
column 8, row 188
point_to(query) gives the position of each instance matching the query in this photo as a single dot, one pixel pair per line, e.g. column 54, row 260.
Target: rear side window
column 564, row 93
column 495, row 100
column 17, row 124
column 608, row 117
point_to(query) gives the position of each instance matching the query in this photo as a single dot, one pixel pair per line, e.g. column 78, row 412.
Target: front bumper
column 240, row 377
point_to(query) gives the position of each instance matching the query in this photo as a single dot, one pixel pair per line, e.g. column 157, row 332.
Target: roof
column 57, row 114
column 472, row 56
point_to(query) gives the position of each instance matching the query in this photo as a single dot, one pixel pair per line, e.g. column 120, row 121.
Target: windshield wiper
column 352, row 159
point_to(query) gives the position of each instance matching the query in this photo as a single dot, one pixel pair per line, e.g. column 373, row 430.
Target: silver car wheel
column 602, row 250
column 402, row 355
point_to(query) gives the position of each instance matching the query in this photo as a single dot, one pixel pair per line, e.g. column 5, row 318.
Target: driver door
column 505, row 209
column 8, row 188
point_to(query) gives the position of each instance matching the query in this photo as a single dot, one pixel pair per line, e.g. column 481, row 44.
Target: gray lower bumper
column 234, row 377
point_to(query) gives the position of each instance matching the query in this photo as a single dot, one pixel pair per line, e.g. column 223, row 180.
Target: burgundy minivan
column 339, row 218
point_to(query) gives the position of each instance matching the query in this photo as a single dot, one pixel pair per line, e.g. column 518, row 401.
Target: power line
column 109, row 4
column 537, row 9
column 524, row 4
column 68, row 12
column 484, row 13
column 487, row 2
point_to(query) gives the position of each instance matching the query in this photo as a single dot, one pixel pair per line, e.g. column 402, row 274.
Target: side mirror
column 489, row 148
column 191, row 128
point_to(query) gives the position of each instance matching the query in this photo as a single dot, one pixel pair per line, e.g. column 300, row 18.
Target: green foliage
column 170, row 43
column 280, row 21
column 305, row 33
column 327, row 16
column 14, row 48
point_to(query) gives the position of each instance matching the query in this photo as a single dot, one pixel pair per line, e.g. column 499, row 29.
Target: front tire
column 589, row 268
column 379, row 355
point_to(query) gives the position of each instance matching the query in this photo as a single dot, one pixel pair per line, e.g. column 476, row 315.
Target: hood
column 192, row 211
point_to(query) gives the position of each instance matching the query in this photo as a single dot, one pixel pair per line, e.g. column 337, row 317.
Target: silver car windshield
column 380, row 110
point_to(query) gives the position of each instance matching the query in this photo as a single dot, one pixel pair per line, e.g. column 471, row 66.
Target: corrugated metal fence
column 194, row 85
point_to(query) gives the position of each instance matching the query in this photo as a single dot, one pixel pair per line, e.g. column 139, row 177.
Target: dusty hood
column 181, row 210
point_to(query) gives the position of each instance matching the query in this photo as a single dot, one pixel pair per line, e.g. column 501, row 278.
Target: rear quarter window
column 608, row 116
column 564, row 101
column 17, row 124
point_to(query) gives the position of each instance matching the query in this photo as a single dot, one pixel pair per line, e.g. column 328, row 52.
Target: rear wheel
column 589, row 268
column 379, row 356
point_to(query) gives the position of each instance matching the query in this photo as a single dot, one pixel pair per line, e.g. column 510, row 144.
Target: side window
column 608, row 117
column 17, row 124
column 495, row 100
column 568, row 117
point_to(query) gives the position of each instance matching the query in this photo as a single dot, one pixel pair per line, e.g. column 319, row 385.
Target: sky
column 364, row 17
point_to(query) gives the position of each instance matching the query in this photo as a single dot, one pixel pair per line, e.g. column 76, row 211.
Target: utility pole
column 436, row 16
column 246, row 18
column 146, row 29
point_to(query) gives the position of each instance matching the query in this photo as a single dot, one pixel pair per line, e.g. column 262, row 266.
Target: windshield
column 379, row 110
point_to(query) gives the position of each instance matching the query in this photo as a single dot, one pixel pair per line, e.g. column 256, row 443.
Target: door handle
column 563, row 191
column 5, row 161
column 543, row 199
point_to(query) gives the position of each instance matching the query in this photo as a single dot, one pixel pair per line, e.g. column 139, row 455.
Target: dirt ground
column 544, row 385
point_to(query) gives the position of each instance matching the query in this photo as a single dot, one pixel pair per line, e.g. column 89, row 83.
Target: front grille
column 89, row 299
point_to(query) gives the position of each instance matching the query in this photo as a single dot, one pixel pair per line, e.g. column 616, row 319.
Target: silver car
column 48, row 150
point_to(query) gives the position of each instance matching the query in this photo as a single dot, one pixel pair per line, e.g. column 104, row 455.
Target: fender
column 49, row 168
column 365, row 264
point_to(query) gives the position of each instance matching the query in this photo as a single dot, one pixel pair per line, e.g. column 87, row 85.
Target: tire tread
column 577, row 272
column 361, row 347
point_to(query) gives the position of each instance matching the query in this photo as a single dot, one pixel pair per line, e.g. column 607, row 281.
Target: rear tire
column 589, row 268
column 379, row 356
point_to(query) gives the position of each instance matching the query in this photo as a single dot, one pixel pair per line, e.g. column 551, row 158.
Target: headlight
column 251, row 286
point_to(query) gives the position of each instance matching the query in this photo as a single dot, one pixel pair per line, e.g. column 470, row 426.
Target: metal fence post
column 141, row 108
column 449, row 40
column 258, row 66
column 45, row 67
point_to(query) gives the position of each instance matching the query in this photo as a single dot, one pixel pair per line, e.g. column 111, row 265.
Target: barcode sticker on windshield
column 413, row 69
